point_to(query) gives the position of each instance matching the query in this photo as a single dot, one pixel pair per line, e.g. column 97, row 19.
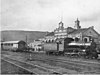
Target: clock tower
column 77, row 24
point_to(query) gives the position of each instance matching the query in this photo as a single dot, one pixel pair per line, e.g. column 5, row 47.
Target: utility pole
column 26, row 39
column 30, row 56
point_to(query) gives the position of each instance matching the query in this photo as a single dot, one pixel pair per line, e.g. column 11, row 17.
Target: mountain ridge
column 13, row 35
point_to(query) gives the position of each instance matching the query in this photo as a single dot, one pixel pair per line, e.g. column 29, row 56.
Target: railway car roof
column 11, row 42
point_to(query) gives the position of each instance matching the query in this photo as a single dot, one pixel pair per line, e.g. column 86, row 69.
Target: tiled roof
column 50, row 34
column 78, row 31
column 69, row 28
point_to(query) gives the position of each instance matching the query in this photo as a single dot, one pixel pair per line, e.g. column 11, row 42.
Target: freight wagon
column 53, row 48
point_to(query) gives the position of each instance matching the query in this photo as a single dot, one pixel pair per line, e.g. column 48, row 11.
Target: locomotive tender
column 69, row 47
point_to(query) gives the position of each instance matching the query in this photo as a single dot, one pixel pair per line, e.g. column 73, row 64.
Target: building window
column 76, row 39
column 49, row 41
column 52, row 40
column 85, row 39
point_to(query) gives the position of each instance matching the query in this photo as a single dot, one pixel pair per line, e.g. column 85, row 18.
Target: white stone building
column 82, row 34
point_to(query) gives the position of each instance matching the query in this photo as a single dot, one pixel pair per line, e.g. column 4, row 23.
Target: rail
column 30, row 67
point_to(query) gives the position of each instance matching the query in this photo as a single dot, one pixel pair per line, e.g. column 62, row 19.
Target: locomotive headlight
column 83, row 50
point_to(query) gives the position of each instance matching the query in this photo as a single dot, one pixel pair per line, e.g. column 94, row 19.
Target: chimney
column 92, row 27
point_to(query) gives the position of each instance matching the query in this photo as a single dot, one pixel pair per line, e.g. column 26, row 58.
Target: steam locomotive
column 69, row 47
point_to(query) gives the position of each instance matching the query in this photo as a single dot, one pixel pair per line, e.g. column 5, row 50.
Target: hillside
column 12, row 35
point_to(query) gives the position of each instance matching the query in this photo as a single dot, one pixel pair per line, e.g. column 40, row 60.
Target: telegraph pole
column 30, row 56
column 26, row 39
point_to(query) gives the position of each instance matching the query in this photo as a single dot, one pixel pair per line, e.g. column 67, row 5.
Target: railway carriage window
column 5, row 44
column 11, row 44
column 8, row 44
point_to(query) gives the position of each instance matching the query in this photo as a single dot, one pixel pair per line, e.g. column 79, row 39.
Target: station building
column 77, row 33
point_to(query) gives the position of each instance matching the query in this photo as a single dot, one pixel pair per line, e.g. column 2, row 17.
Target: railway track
column 80, row 63
column 71, row 60
column 78, row 66
column 25, row 70
column 74, row 65
column 82, row 60
column 71, row 64
column 33, row 69
column 64, row 59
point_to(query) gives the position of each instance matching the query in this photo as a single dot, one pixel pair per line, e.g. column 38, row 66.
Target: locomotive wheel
column 63, row 54
column 95, row 55
column 90, row 56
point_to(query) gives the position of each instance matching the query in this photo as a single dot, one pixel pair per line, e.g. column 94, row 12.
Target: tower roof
column 60, row 22
column 77, row 20
column 77, row 24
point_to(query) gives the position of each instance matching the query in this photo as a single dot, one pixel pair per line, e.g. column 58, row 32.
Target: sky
column 44, row 15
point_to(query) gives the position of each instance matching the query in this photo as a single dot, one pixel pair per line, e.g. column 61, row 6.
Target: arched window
column 76, row 39
column 46, row 41
column 85, row 39
column 49, row 41
column 52, row 40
